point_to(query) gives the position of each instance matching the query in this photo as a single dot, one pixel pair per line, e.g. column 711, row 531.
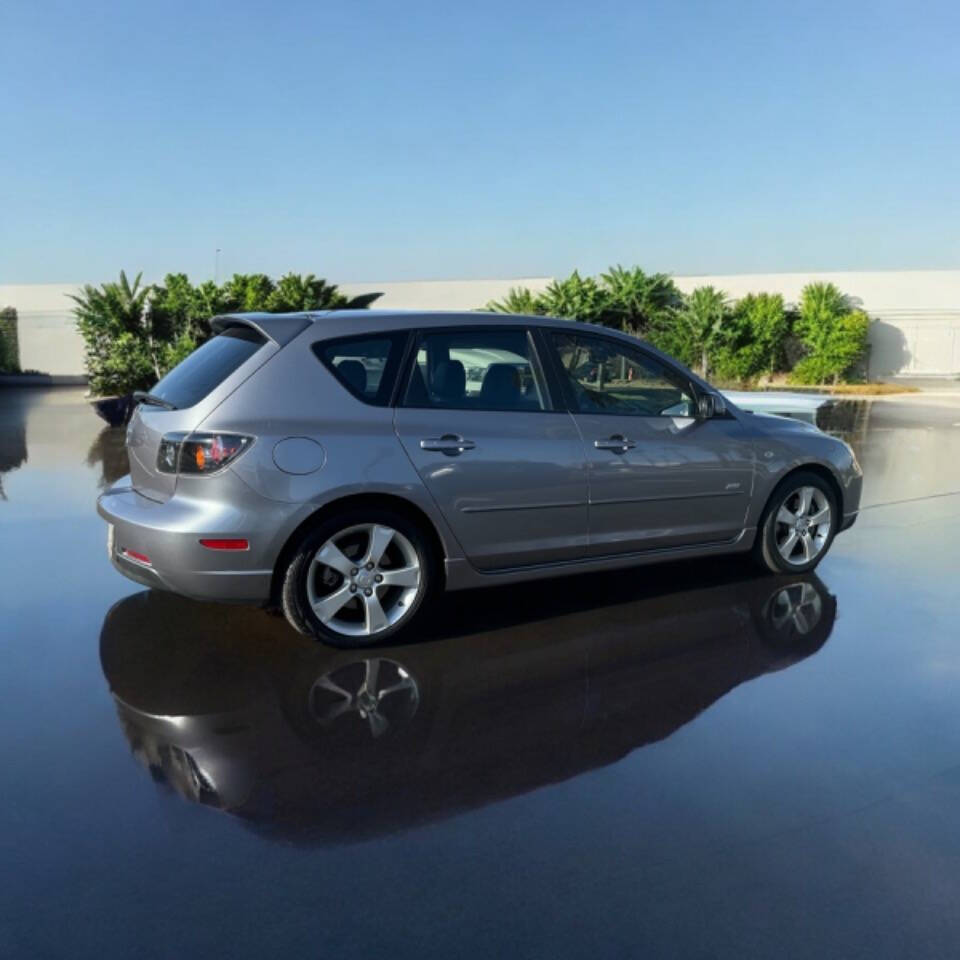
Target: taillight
column 199, row 453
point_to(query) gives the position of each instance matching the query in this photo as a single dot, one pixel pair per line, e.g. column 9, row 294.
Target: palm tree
column 294, row 292
column 823, row 300
column 704, row 315
column 640, row 302
column 518, row 300
column 113, row 309
column 576, row 298
column 115, row 317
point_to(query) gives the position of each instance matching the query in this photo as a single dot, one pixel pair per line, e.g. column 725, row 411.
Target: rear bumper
column 167, row 537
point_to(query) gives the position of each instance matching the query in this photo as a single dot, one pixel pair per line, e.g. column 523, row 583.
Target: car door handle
column 449, row 443
column 617, row 442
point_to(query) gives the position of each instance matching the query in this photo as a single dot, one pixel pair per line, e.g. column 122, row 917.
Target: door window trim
column 564, row 380
column 555, row 402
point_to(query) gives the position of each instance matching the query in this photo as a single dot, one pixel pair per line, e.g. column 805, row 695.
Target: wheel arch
column 818, row 469
column 350, row 502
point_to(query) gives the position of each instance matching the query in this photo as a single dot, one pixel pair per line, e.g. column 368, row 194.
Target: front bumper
column 168, row 536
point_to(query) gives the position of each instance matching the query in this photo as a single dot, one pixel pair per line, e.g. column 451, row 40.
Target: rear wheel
column 359, row 577
column 798, row 525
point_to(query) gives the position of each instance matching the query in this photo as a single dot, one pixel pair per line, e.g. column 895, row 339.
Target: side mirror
column 710, row 405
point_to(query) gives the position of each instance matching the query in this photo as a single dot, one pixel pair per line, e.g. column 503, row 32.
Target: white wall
column 48, row 339
column 917, row 328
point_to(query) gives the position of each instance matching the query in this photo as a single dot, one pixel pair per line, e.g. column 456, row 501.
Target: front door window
column 609, row 379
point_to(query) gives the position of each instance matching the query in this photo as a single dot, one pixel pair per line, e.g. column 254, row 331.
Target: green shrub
column 833, row 335
column 822, row 341
column 644, row 305
column 703, row 327
column 628, row 300
column 837, row 351
column 9, row 343
column 128, row 365
column 134, row 334
column 577, row 298
column 115, row 325
column 519, row 300
column 755, row 335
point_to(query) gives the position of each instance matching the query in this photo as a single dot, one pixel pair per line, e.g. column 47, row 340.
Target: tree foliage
column 628, row 300
column 740, row 341
column 9, row 348
column 520, row 301
column 756, row 331
column 576, row 298
column 639, row 303
column 833, row 334
column 117, row 330
column 704, row 324
column 134, row 334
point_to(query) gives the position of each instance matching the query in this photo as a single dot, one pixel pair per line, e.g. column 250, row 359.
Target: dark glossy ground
column 684, row 762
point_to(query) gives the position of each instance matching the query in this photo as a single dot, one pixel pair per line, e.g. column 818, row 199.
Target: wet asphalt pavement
column 683, row 761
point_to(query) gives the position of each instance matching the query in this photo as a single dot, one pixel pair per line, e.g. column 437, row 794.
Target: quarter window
column 605, row 377
column 366, row 366
column 476, row 370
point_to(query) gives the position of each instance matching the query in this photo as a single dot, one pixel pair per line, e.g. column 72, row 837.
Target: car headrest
column 450, row 381
column 501, row 385
column 354, row 372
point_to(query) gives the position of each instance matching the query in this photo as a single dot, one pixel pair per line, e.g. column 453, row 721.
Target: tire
column 338, row 589
column 773, row 549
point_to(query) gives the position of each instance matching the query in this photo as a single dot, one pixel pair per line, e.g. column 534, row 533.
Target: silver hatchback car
column 346, row 465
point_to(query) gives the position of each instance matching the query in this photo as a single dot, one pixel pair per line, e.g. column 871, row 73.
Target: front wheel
column 358, row 578
column 798, row 525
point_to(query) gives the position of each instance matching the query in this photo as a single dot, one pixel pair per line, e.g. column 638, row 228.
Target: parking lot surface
column 691, row 760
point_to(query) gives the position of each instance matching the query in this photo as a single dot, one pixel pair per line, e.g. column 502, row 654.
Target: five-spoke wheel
column 803, row 525
column 799, row 524
column 358, row 578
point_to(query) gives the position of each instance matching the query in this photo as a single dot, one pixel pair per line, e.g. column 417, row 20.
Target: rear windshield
column 208, row 366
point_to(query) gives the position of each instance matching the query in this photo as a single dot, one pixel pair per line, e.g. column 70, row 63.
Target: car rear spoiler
column 281, row 328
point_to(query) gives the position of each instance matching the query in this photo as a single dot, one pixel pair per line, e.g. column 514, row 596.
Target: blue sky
column 390, row 141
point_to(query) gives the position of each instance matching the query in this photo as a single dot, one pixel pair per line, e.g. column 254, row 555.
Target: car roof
column 283, row 327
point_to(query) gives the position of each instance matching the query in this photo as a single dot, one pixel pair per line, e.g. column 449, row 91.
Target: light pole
column 216, row 266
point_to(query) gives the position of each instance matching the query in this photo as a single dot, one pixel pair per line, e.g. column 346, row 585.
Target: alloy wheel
column 364, row 579
column 803, row 524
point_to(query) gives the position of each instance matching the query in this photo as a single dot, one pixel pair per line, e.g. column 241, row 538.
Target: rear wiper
column 141, row 396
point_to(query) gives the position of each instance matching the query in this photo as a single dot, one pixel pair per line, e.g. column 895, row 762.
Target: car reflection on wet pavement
column 683, row 761
column 251, row 719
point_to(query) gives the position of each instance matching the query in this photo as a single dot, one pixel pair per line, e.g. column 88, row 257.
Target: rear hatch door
column 189, row 393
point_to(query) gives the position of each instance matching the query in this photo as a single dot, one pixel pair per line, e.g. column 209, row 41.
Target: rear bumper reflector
column 138, row 557
column 225, row 544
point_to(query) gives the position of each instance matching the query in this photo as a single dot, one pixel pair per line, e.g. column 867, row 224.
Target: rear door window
column 366, row 366
column 208, row 366
column 476, row 370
